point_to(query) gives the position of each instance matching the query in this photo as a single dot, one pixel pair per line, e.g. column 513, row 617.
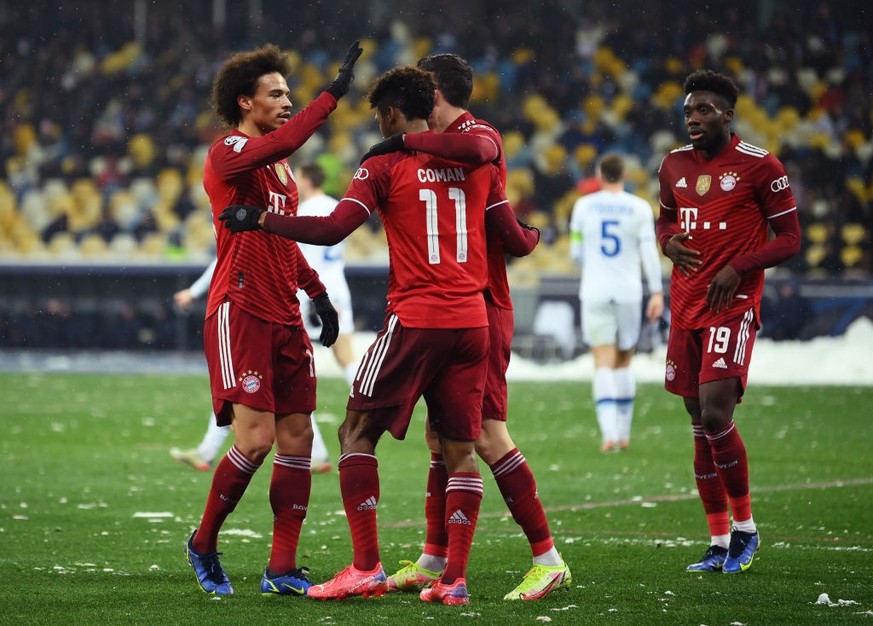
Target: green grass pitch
column 94, row 513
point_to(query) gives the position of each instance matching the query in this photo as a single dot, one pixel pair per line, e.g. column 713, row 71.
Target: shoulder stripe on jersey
column 747, row 148
column 363, row 206
column 669, row 208
column 683, row 149
column 770, row 217
column 488, row 208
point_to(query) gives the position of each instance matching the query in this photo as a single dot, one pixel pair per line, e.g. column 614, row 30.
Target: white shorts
column 340, row 298
column 612, row 323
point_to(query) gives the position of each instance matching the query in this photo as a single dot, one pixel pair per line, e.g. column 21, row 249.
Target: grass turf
column 85, row 468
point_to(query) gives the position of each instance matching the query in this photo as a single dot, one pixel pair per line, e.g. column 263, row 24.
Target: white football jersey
column 613, row 237
column 326, row 260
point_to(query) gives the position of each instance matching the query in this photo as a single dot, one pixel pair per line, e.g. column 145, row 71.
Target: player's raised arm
column 462, row 147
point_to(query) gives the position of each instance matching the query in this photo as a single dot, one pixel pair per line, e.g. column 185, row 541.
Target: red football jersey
column 258, row 271
column 724, row 204
column 498, row 285
column 433, row 212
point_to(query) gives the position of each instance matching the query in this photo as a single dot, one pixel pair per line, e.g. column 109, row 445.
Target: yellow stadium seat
column 817, row 233
column 853, row 234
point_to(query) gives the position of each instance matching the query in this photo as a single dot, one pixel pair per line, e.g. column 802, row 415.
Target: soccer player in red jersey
column 720, row 199
column 258, row 354
column 435, row 341
column 462, row 137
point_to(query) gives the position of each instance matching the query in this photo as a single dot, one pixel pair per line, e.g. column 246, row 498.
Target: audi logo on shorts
column 780, row 184
column 361, row 174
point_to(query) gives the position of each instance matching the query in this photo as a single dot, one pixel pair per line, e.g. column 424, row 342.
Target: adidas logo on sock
column 368, row 505
column 720, row 364
column 458, row 517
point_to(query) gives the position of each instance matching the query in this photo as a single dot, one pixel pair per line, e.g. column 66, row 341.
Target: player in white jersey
column 204, row 454
column 329, row 263
column 612, row 237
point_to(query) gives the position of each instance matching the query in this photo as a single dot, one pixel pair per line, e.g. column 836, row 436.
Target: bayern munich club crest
column 728, row 181
column 670, row 373
column 250, row 381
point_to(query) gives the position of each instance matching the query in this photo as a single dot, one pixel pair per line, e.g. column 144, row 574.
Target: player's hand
column 655, row 307
column 685, row 259
column 183, row 299
column 240, row 217
column 394, row 143
column 329, row 320
column 343, row 81
column 721, row 290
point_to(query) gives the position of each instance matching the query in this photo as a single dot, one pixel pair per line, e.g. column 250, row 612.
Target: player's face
column 270, row 107
column 707, row 119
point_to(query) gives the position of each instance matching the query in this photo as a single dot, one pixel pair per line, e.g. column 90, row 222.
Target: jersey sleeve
column 323, row 231
column 774, row 189
column 649, row 251
column 778, row 206
column 200, row 286
column 237, row 153
column 577, row 230
column 667, row 225
column 462, row 147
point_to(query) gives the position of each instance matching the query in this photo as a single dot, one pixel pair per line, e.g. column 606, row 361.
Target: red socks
column 232, row 476
column 290, row 487
column 732, row 465
column 436, row 540
column 359, row 486
column 463, row 499
column 519, row 489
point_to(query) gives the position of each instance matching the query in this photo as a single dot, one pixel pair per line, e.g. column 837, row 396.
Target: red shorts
column 500, row 328
column 262, row 365
column 447, row 366
column 695, row 357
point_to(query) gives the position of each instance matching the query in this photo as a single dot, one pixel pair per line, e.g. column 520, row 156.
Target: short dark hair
column 611, row 167
column 454, row 77
column 719, row 84
column 408, row 88
column 314, row 173
column 239, row 77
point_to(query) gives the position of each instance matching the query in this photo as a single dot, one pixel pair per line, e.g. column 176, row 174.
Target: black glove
column 240, row 217
column 394, row 143
column 329, row 320
column 343, row 81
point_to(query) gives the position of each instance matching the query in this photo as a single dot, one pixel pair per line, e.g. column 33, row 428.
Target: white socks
column 213, row 440
column 625, row 392
column 607, row 407
column 319, row 450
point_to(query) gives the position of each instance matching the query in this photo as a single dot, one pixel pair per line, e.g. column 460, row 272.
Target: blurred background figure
column 612, row 234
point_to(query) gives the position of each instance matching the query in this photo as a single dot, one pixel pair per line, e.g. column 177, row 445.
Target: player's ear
column 244, row 102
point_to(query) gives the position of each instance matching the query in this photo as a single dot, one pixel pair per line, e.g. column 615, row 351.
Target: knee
column 714, row 419
column 256, row 448
column 494, row 443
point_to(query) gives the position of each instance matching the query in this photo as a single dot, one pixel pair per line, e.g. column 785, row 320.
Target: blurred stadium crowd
column 105, row 114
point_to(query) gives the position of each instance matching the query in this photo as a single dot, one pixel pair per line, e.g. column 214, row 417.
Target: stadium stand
column 105, row 115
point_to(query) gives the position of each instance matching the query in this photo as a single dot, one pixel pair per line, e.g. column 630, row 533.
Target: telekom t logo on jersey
column 688, row 221
column 277, row 202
